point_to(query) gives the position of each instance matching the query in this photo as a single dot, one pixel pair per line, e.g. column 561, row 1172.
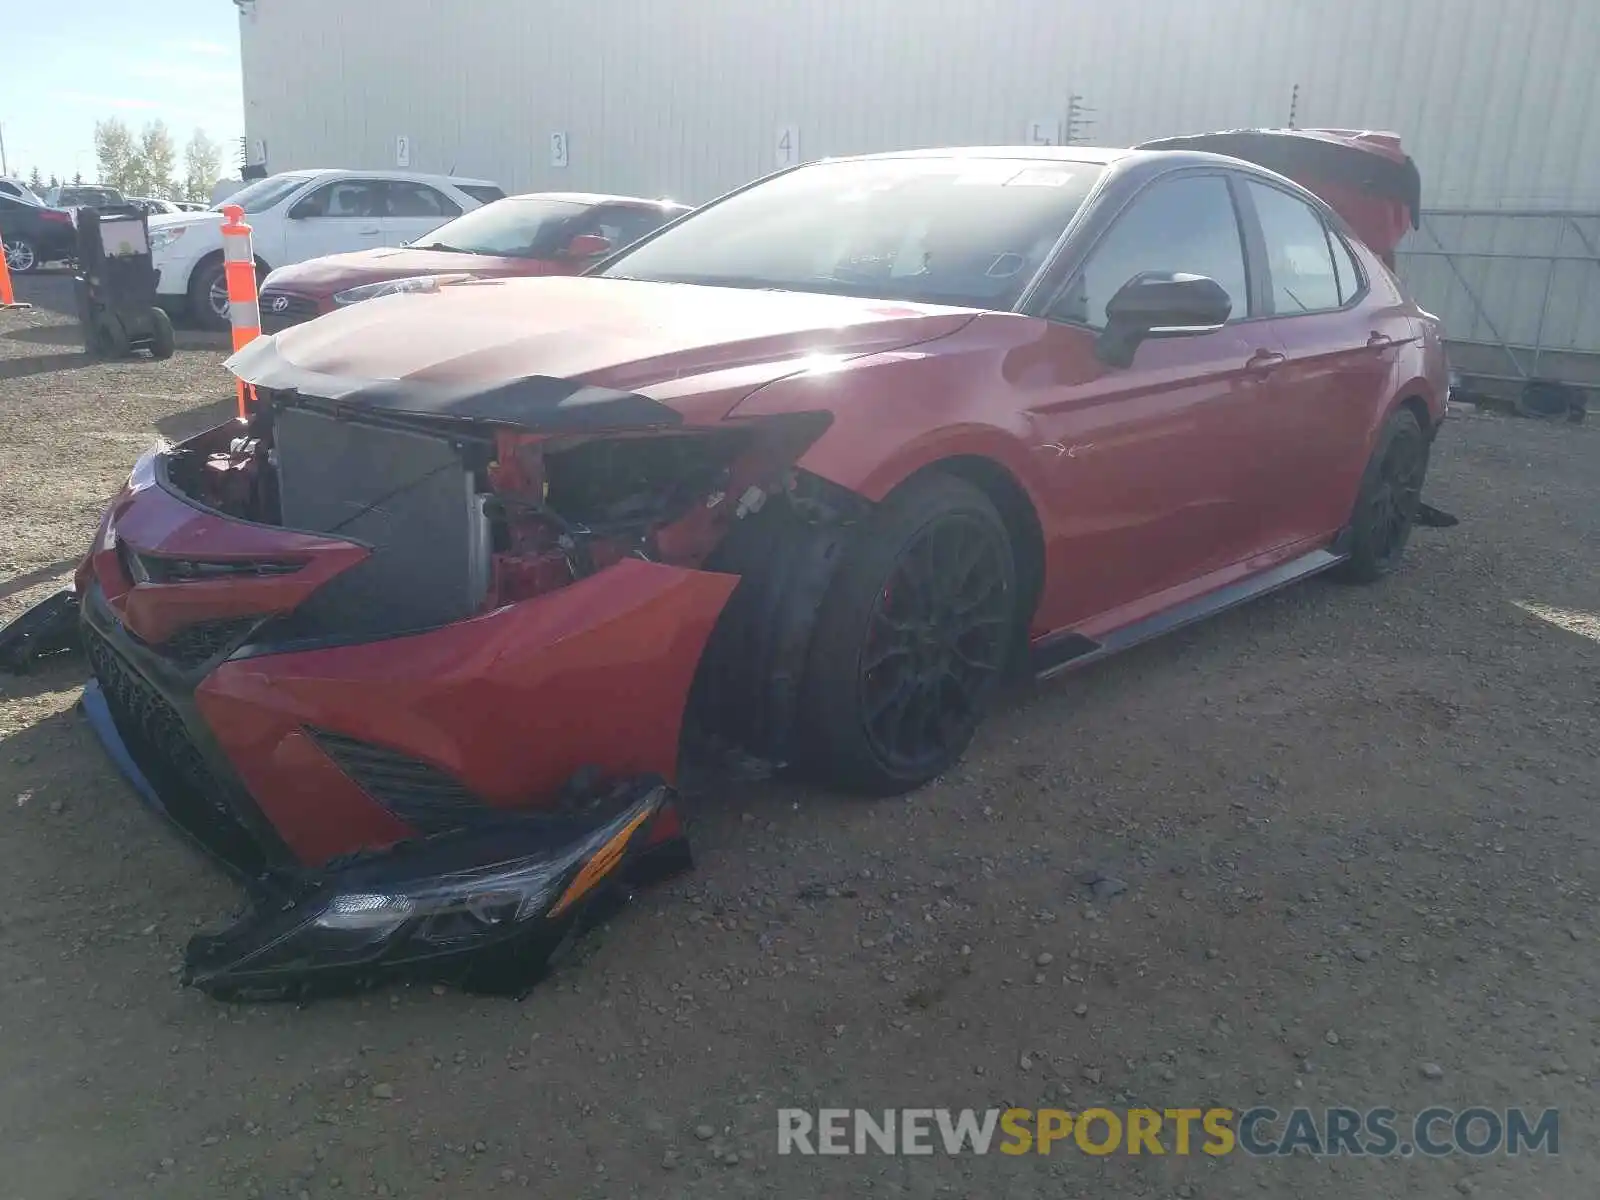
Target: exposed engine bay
column 463, row 519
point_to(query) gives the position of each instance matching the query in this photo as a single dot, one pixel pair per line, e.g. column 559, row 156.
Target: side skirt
column 1071, row 650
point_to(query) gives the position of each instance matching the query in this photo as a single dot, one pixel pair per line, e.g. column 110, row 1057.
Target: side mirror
column 301, row 210
column 1160, row 304
column 588, row 245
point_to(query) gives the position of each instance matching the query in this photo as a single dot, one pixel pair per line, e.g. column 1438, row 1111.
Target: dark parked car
column 543, row 233
column 34, row 235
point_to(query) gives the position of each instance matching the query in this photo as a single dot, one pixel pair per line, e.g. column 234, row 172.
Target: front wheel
column 1386, row 506
column 910, row 641
column 208, row 296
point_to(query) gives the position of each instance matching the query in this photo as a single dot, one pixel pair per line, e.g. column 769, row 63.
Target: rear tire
column 1386, row 505
column 911, row 640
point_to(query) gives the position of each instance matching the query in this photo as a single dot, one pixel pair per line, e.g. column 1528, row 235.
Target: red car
column 808, row 472
column 543, row 233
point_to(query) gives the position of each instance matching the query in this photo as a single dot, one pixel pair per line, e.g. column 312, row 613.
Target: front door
column 339, row 216
column 1154, row 470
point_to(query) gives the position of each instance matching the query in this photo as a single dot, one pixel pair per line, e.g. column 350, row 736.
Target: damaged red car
column 808, row 472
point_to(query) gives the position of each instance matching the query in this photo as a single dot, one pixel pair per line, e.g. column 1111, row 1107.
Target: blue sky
column 70, row 63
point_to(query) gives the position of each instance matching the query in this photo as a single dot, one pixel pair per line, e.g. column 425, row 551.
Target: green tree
column 54, row 182
column 36, row 180
column 157, row 159
column 202, row 167
column 77, row 179
column 115, row 152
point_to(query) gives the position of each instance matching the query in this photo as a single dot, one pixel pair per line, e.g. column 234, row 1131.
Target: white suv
column 300, row 215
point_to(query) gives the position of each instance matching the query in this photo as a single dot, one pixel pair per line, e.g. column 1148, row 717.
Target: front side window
column 958, row 230
column 345, row 199
column 1303, row 275
column 1184, row 225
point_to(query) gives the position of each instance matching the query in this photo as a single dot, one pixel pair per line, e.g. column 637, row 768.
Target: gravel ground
column 1344, row 838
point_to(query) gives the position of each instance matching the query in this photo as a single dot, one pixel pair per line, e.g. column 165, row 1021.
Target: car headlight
column 391, row 287
column 486, row 906
column 160, row 239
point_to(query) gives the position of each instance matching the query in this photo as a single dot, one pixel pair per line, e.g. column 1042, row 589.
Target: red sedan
column 542, row 233
column 808, row 471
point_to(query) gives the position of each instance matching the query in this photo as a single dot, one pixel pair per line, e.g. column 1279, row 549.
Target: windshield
column 264, row 193
column 89, row 196
column 959, row 230
column 514, row 227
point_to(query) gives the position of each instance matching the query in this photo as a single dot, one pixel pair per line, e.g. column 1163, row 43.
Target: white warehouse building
column 1498, row 101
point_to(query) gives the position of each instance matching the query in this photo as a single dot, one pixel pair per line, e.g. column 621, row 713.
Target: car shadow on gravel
column 27, row 579
column 58, row 674
column 43, row 364
column 46, row 335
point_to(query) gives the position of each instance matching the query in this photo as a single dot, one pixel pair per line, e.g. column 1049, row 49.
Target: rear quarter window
column 483, row 193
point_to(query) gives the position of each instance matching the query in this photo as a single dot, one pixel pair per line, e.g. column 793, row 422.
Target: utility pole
column 1077, row 121
column 1294, row 105
column 4, row 169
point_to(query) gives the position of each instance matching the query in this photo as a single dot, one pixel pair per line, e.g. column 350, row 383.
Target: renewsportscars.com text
column 1259, row 1132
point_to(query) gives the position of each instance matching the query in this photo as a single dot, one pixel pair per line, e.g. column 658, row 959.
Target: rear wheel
column 911, row 640
column 1386, row 507
column 21, row 255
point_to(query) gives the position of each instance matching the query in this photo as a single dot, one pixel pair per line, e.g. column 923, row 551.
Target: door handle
column 368, row 232
column 1264, row 362
column 1378, row 341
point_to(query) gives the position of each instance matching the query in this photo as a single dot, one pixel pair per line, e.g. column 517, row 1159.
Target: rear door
column 1154, row 471
column 1340, row 342
column 414, row 210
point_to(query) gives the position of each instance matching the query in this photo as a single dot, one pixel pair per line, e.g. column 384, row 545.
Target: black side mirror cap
column 1160, row 304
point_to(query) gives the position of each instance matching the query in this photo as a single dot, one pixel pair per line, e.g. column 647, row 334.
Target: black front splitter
column 490, row 909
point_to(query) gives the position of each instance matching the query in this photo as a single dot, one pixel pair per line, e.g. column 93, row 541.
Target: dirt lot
column 1355, row 829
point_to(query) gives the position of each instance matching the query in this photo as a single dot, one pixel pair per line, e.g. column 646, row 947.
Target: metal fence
column 1518, row 291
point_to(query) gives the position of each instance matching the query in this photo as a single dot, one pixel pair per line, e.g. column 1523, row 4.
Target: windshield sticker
column 987, row 174
column 1041, row 177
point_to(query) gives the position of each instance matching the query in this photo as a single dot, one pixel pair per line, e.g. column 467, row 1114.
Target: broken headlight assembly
column 487, row 908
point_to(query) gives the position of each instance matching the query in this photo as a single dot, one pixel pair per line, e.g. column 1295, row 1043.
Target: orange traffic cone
column 244, row 307
column 8, row 298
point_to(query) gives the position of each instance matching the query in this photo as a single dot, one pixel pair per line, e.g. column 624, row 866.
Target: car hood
column 172, row 220
column 578, row 352
column 335, row 272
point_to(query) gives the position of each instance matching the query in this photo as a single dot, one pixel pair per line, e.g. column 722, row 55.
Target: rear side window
column 1303, row 276
column 623, row 226
column 418, row 200
column 483, row 193
column 1185, row 224
column 1344, row 265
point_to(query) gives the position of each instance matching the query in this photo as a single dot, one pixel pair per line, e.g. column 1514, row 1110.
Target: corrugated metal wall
column 1496, row 99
